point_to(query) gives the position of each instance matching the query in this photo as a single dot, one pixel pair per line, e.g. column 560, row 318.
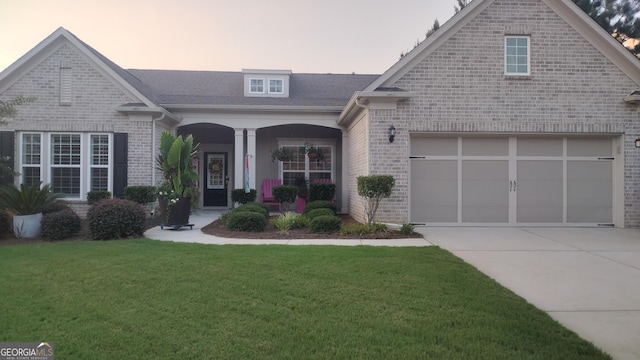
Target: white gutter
column 296, row 108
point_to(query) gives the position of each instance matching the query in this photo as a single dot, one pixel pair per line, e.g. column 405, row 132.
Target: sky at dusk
column 312, row 36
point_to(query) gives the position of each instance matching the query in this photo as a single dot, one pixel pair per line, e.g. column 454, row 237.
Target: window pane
column 511, row 42
column 66, row 181
column 65, row 149
column 31, row 149
column 522, row 41
column 522, row 69
column 257, row 85
column 99, row 150
column 275, row 86
column 522, row 51
column 99, row 179
column 30, row 175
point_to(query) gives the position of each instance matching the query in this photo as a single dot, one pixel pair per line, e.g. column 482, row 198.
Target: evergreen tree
column 461, row 5
column 620, row 18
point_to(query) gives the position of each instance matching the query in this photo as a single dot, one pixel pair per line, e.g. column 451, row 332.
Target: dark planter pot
column 176, row 214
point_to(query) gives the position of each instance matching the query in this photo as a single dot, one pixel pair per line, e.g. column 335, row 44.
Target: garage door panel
column 434, row 196
column 540, row 191
column 485, row 191
column 589, row 191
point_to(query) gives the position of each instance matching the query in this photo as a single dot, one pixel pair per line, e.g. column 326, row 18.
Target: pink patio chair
column 266, row 195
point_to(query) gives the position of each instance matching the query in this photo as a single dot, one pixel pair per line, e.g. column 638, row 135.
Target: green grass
column 143, row 299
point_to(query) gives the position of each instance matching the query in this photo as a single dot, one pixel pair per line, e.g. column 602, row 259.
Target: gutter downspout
column 153, row 148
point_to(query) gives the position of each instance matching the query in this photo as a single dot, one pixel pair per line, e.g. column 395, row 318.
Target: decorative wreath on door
column 215, row 166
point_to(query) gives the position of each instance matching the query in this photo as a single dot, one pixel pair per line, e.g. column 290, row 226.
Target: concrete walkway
column 205, row 217
column 588, row 279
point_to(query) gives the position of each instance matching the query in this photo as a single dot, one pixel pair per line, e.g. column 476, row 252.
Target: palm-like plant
column 27, row 200
column 174, row 160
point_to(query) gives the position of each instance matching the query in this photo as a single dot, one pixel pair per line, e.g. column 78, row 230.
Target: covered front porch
column 231, row 156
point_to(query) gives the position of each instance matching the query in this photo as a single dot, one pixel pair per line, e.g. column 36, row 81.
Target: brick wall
column 358, row 151
column 92, row 109
column 461, row 87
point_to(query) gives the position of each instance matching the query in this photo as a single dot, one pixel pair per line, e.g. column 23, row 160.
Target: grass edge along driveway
column 147, row 299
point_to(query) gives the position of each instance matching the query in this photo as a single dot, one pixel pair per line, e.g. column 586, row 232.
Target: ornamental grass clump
column 288, row 221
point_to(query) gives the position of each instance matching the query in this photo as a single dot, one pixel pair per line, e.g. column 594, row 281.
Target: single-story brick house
column 513, row 113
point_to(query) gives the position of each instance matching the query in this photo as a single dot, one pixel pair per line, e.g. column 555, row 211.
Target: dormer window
column 266, row 83
column 276, row 86
column 257, row 86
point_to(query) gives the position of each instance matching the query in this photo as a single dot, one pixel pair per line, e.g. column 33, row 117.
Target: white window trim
column 46, row 159
column 251, row 87
column 528, row 73
column 281, row 86
column 315, row 142
column 109, row 166
column 21, row 163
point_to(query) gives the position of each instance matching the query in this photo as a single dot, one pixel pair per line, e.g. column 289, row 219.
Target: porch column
column 238, row 153
column 344, row 186
column 251, row 150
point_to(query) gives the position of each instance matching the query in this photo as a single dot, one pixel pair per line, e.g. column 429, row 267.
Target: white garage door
column 513, row 181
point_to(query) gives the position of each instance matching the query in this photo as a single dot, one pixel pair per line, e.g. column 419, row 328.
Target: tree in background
column 461, row 5
column 620, row 18
column 7, row 111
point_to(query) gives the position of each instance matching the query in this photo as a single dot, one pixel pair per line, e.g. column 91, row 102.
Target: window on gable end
column 517, row 56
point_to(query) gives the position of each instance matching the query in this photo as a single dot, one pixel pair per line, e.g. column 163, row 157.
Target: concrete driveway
column 588, row 279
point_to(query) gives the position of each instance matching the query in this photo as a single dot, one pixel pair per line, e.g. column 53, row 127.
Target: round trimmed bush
column 319, row 212
column 60, row 225
column 319, row 204
column 142, row 194
column 252, row 207
column 97, row 195
column 239, row 196
column 115, row 219
column 325, row 224
column 55, row 207
column 246, row 221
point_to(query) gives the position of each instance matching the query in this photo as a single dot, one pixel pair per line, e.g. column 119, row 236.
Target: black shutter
column 7, row 143
column 120, row 160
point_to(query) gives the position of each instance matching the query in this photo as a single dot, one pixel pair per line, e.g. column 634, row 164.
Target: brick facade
column 461, row 88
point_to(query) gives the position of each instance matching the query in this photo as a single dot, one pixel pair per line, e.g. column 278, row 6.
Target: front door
column 216, row 179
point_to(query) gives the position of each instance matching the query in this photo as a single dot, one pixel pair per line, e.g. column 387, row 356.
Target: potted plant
column 314, row 153
column 282, row 154
column 176, row 193
column 26, row 204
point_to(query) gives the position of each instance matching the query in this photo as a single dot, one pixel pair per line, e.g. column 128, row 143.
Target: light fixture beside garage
column 392, row 134
column 638, row 143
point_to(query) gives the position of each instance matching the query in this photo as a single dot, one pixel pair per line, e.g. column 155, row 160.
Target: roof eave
column 360, row 99
column 256, row 108
column 128, row 109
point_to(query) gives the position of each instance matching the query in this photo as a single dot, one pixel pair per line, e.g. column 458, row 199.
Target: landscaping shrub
column 407, row 229
column 325, row 224
column 246, row 221
column 223, row 220
column 319, row 212
column 362, row 229
column 97, row 195
column 55, row 207
column 373, row 188
column 5, row 222
column 141, row 194
column 285, row 195
column 60, row 225
column 319, row 204
column 264, row 206
column 115, row 219
column 285, row 222
column 322, row 191
column 242, row 197
column 252, row 207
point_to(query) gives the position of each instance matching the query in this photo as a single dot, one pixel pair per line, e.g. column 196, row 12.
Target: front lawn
column 143, row 299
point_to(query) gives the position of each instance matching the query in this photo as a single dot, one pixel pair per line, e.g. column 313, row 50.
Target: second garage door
column 512, row 180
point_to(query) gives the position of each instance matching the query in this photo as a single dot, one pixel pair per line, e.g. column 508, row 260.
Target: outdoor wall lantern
column 638, row 143
column 392, row 134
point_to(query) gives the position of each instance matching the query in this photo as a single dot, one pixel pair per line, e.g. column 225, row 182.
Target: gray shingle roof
column 173, row 87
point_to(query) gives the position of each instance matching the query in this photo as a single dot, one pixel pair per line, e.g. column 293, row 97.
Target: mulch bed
column 272, row 233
